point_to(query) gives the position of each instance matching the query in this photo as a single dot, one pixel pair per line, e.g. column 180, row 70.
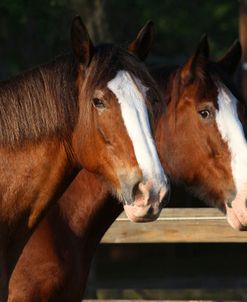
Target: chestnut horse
column 202, row 134
column 55, row 262
column 89, row 109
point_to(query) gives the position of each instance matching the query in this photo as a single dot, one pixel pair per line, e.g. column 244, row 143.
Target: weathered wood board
column 176, row 225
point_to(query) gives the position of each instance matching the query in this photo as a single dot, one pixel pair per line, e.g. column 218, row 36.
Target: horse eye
column 205, row 114
column 155, row 100
column 98, row 103
column 153, row 97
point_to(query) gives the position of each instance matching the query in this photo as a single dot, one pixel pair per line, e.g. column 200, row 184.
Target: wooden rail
column 150, row 301
column 177, row 226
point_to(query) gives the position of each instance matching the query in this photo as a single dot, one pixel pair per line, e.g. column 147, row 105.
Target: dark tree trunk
column 94, row 15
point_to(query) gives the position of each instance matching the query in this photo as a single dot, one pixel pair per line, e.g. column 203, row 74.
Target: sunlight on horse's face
column 197, row 154
column 124, row 150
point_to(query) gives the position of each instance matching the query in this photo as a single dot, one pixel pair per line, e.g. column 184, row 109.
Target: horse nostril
column 150, row 211
column 229, row 203
column 231, row 196
column 136, row 192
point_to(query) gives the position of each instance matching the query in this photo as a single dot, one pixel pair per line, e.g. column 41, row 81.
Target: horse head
column 113, row 136
column 202, row 134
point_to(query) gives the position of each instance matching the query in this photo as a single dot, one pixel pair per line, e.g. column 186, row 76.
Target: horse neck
column 54, row 182
column 88, row 207
column 79, row 221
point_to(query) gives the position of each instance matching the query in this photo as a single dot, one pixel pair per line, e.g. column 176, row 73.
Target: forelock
column 108, row 59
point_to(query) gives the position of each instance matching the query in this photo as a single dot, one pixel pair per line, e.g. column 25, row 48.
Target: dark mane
column 108, row 60
column 40, row 103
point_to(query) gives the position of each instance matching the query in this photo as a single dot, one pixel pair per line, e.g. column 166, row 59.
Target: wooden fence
column 176, row 226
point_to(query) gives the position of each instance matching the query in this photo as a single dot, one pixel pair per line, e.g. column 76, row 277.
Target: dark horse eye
column 204, row 113
column 98, row 103
column 155, row 100
column 153, row 97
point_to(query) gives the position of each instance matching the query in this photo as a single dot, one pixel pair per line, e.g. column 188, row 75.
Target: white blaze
column 232, row 132
column 130, row 94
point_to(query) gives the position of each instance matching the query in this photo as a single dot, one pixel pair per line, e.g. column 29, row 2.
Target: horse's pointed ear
column 230, row 61
column 195, row 65
column 143, row 42
column 82, row 45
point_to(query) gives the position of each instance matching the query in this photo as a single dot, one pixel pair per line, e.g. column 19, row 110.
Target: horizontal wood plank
column 177, row 226
column 149, row 300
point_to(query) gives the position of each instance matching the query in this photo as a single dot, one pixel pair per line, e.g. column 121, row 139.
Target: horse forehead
column 128, row 87
column 227, row 118
column 227, row 102
column 203, row 92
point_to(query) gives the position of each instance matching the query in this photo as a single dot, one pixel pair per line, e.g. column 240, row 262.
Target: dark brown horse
column 89, row 109
column 55, row 263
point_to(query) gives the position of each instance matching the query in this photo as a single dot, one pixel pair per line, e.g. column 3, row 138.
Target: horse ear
column 143, row 42
column 195, row 65
column 230, row 61
column 82, row 45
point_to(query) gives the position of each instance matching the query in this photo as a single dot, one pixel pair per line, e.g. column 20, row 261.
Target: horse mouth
column 147, row 213
column 236, row 212
column 144, row 201
column 234, row 220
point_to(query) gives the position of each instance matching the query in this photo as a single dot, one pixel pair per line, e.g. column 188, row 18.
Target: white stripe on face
column 232, row 132
column 130, row 94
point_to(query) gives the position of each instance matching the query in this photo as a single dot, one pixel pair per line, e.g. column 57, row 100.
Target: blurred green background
column 32, row 32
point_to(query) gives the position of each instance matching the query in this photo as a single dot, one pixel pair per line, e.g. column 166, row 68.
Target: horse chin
column 137, row 213
column 237, row 213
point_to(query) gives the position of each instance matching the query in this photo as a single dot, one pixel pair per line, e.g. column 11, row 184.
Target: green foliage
column 180, row 23
column 32, row 32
